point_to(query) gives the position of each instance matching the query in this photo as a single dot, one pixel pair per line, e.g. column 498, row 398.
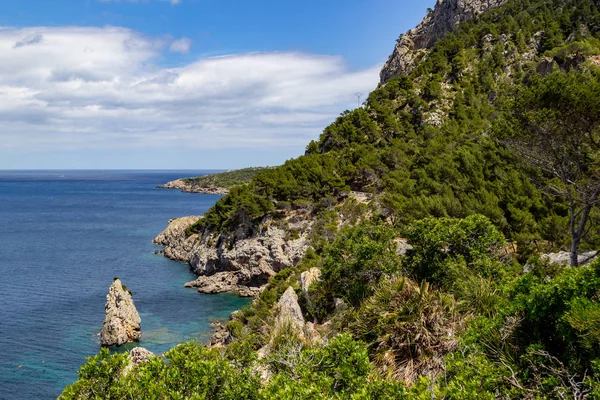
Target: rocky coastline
column 187, row 187
column 237, row 262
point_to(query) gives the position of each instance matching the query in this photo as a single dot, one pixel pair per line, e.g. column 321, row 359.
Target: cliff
column 178, row 244
column 236, row 261
column 446, row 15
column 243, row 265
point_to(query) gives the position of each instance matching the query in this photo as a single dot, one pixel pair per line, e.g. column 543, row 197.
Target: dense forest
column 485, row 157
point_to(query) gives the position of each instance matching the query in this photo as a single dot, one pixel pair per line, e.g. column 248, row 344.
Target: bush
column 353, row 264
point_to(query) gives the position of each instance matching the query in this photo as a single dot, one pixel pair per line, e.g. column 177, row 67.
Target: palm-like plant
column 409, row 327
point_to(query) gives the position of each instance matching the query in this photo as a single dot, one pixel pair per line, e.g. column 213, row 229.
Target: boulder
column 288, row 310
column 137, row 356
column 122, row 321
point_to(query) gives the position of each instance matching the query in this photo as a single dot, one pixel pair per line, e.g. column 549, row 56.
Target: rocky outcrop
column 446, row 15
column 178, row 245
column 288, row 311
column 243, row 263
column 221, row 336
column 307, row 278
column 188, row 187
column 137, row 356
column 564, row 257
column 402, row 246
column 288, row 316
column 122, row 321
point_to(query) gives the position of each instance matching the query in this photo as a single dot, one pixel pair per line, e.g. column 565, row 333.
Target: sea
column 64, row 236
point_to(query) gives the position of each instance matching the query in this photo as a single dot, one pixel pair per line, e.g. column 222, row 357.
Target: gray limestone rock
column 307, row 278
column 441, row 20
column 564, row 257
column 122, row 321
column 221, row 336
column 288, row 310
column 137, row 356
column 243, row 263
column 178, row 245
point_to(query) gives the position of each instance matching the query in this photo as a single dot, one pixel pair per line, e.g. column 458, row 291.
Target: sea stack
column 122, row 321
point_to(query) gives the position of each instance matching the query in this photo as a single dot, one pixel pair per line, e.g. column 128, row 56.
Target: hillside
column 422, row 216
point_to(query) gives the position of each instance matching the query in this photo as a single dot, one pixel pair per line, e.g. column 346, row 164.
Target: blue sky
column 184, row 83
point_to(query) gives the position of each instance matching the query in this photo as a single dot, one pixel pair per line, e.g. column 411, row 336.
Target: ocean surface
column 64, row 235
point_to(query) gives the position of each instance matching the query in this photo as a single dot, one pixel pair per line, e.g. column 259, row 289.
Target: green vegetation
column 225, row 180
column 481, row 159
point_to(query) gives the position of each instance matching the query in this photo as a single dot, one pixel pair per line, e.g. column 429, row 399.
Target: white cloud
column 175, row 2
column 182, row 45
column 82, row 88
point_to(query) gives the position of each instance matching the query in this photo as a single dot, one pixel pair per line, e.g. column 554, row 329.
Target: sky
column 184, row 84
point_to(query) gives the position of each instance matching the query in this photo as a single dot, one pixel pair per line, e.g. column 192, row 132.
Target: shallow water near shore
column 64, row 235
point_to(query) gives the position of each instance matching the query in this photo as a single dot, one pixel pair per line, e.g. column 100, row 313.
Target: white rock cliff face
column 178, row 245
column 240, row 263
column 244, row 265
column 443, row 19
column 122, row 321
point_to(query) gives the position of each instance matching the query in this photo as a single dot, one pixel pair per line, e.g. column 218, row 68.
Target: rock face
column 238, row 262
column 564, row 257
column 443, row 19
column 243, row 264
column 122, row 321
column 178, row 245
column 307, row 278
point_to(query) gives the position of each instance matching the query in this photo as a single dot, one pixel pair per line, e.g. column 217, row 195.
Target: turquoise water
column 64, row 235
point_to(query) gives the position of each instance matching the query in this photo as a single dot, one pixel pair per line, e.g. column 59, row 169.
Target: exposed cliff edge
column 237, row 262
column 122, row 323
column 243, row 264
column 446, row 15
column 178, row 244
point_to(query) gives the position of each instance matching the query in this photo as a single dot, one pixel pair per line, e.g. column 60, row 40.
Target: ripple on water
column 63, row 241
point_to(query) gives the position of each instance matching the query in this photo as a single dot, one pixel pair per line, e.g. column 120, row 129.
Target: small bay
column 64, row 235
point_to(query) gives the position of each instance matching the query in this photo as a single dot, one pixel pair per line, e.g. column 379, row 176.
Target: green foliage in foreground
column 340, row 369
column 226, row 180
column 513, row 335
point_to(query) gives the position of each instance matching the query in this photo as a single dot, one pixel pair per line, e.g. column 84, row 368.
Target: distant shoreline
column 187, row 187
